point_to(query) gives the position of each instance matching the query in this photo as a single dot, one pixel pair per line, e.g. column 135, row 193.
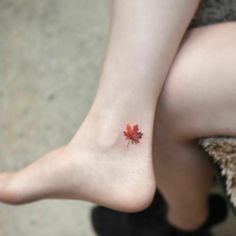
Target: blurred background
column 51, row 53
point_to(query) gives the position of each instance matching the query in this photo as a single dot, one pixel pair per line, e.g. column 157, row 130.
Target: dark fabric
column 152, row 221
column 213, row 11
column 217, row 214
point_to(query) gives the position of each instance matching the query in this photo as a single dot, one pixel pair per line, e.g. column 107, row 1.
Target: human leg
column 182, row 170
column 97, row 165
column 184, row 177
column 197, row 101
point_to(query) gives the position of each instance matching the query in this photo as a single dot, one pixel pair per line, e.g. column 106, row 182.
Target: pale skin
column 101, row 168
column 198, row 100
column 133, row 73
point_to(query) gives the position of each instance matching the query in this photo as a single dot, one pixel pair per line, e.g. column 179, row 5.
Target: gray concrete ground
column 50, row 57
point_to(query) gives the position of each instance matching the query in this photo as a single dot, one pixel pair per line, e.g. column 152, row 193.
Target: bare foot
column 96, row 166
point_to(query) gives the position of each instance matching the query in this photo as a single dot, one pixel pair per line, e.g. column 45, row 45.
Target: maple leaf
column 132, row 134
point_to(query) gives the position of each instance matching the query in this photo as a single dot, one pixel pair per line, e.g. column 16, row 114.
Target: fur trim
column 223, row 152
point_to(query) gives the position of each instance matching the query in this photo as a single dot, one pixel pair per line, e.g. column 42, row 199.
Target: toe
column 32, row 183
column 15, row 188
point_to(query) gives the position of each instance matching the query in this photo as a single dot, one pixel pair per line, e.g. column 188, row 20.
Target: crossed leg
column 198, row 100
column 194, row 94
column 97, row 165
column 183, row 176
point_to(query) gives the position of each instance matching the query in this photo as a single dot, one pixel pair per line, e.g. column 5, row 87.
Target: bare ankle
column 104, row 129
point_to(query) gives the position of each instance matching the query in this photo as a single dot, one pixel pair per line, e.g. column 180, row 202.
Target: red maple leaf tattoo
column 132, row 134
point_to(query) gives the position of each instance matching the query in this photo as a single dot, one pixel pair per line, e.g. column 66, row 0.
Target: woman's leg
column 198, row 100
column 183, row 176
column 97, row 165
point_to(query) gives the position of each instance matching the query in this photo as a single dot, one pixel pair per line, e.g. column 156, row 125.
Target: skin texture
column 182, row 172
column 143, row 40
column 199, row 88
column 198, row 100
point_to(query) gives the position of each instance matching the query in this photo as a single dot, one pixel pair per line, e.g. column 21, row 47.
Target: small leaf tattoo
column 132, row 134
